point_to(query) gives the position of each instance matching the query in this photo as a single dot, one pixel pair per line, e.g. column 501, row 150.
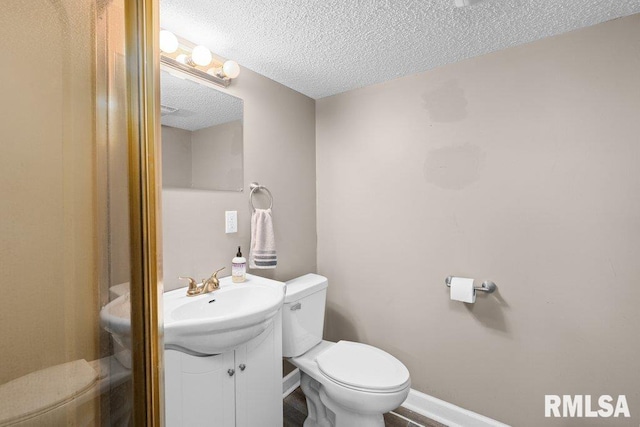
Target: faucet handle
column 215, row 282
column 193, row 285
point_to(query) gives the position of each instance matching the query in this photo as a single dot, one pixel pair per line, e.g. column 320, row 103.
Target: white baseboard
column 423, row 404
column 290, row 382
column 445, row 412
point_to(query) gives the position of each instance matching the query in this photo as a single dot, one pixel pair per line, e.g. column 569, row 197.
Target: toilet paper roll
column 462, row 290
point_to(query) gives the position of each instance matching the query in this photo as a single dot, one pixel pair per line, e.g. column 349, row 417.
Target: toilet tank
column 303, row 314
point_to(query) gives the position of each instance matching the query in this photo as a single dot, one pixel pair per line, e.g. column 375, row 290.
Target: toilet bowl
column 345, row 383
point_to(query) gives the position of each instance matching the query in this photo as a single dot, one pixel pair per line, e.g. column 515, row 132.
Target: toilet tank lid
column 303, row 286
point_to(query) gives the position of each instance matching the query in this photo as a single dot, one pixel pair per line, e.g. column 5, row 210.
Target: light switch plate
column 231, row 221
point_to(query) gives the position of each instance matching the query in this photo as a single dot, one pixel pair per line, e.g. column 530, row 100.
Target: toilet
column 345, row 383
column 64, row 394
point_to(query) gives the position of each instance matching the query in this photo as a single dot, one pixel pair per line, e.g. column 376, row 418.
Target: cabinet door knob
column 231, row 372
column 242, row 366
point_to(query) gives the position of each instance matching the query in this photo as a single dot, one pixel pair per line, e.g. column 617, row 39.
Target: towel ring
column 257, row 187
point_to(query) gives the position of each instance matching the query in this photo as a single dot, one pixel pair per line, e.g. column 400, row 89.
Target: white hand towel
column 263, row 244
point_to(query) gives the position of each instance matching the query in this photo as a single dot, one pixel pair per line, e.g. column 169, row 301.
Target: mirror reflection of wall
column 201, row 136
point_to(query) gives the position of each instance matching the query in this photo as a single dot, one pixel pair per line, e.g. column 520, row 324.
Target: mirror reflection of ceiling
column 196, row 106
column 321, row 48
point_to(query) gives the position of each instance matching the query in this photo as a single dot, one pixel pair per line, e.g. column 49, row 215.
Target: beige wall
column 217, row 156
column 209, row 158
column 49, row 304
column 520, row 167
column 279, row 152
column 117, row 141
column 176, row 157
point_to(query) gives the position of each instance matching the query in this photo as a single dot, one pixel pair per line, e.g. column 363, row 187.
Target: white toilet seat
column 362, row 367
column 350, row 405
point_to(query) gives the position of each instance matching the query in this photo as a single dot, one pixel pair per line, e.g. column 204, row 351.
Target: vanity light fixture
column 182, row 58
column 168, row 41
column 197, row 61
column 230, row 69
column 200, row 55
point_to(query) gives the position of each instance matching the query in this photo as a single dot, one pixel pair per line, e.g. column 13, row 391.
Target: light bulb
column 231, row 69
column 168, row 41
column 182, row 58
column 201, row 56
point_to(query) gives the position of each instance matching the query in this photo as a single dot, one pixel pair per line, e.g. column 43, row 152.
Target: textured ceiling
column 198, row 106
column 324, row 47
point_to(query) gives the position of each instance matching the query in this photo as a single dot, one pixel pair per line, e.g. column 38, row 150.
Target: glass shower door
column 65, row 214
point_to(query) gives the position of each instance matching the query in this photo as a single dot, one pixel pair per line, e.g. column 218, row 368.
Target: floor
column 295, row 411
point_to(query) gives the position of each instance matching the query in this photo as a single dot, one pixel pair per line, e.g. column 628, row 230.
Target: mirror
column 201, row 135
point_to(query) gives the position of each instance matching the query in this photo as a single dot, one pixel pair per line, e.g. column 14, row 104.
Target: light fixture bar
column 172, row 63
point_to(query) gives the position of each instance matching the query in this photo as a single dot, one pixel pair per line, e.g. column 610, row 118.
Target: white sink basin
column 210, row 323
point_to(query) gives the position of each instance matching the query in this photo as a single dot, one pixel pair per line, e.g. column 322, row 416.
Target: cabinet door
column 259, row 379
column 199, row 390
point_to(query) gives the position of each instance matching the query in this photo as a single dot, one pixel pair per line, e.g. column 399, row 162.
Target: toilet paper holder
column 487, row 286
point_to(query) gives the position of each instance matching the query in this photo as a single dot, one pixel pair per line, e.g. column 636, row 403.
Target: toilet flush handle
column 296, row 306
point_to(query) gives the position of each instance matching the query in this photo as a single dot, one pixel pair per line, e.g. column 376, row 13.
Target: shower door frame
column 142, row 28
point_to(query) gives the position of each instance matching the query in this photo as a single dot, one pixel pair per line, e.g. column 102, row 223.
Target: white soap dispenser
column 239, row 268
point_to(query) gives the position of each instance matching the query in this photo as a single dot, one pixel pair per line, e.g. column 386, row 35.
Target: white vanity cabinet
column 241, row 387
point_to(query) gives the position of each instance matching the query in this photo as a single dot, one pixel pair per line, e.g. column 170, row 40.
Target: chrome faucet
column 209, row 285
